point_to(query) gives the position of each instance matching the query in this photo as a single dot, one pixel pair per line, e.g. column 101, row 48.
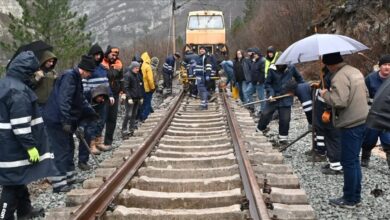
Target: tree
column 53, row 22
column 237, row 25
column 249, row 10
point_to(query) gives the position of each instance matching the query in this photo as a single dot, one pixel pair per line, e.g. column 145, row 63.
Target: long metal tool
column 294, row 141
column 81, row 137
column 96, row 205
column 264, row 100
column 257, row 207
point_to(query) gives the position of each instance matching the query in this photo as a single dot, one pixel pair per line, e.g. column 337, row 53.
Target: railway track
column 190, row 164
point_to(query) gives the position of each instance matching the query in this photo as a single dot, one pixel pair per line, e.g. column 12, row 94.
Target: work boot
column 84, row 166
column 101, row 146
column 365, row 158
column 34, row 213
column 65, row 188
column 93, row 147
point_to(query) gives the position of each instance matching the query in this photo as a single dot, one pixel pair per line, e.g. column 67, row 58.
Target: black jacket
column 238, row 68
column 133, row 85
column 67, row 104
column 379, row 114
column 258, row 71
column 21, row 126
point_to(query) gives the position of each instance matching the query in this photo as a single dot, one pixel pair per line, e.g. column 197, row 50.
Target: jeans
column 251, row 89
column 240, row 86
column 284, row 118
column 371, row 137
column 101, row 110
column 112, row 114
column 63, row 148
column 15, row 197
column 146, row 105
column 351, row 140
column 130, row 115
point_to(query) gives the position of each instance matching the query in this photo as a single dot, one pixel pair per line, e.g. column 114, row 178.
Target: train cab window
column 205, row 22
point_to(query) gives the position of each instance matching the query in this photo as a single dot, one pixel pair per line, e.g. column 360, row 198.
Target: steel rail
column 96, row 205
column 257, row 207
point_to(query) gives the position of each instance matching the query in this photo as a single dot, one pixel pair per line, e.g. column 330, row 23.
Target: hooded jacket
column 276, row 82
column 21, row 126
column 348, row 97
column 147, row 72
column 44, row 86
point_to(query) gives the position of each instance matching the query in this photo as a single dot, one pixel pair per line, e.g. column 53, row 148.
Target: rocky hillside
column 121, row 22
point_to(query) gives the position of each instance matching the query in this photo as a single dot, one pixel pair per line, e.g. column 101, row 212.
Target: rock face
column 121, row 22
column 365, row 20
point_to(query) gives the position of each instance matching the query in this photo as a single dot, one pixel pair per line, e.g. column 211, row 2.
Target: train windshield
column 205, row 22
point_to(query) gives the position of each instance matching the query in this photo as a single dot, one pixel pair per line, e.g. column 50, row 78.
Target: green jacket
column 44, row 85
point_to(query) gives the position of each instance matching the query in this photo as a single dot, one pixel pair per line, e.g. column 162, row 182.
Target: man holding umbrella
column 348, row 98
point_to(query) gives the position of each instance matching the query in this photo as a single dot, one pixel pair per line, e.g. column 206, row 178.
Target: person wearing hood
column 43, row 79
column 92, row 128
column 149, row 86
column 98, row 78
column 134, row 88
column 348, row 97
column 114, row 67
column 65, row 108
column 279, row 82
column 26, row 155
column 270, row 58
column 373, row 82
column 257, row 63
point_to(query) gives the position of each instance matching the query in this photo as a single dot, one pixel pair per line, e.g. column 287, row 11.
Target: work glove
column 79, row 132
column 130, row 101
column 38, row 75
column 67, row 128
column 152, row 90
column 33, row 155
column 271, row 99
column 112, row 100
column 207, row 78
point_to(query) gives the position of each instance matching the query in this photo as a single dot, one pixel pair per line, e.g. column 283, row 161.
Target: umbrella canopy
column 313, row 47
column 37, row 47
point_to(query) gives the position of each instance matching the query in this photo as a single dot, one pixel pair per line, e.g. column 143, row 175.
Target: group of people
column 41, row 111
column 341, row 105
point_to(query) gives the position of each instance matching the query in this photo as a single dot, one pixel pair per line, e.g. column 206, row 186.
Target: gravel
column 41, row 191
column 320, row 188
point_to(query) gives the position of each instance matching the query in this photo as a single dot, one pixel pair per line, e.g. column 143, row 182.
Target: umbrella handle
column 321, row 76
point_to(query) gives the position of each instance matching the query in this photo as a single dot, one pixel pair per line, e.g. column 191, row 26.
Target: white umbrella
column 313, row 47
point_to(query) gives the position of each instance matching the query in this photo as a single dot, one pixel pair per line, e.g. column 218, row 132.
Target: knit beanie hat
column 87, row 63
column 384, row 59
column 332, row 58
column 133, row 65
